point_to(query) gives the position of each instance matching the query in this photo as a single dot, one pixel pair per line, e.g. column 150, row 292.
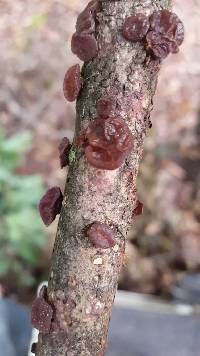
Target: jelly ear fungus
column 162, row 31
column 107, row 143
column 72, row 83
column 50, row 205
column 101, row 235
column 84, row 43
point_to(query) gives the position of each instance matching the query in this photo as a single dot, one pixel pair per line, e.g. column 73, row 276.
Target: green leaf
column 25, row 191
column 12, row 150
column 22, row 235
column 19, row 143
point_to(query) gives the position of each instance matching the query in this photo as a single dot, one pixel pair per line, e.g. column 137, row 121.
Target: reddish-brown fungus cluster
column 50, row 205
column 42, row 312
column 84, row 44
column 163, row 32
column 107, row 142
column 72, row 83
column 101, row 235
column 166, row 33
column 64, row 149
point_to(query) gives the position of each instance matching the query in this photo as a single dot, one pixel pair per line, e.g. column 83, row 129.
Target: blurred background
column 163, row 252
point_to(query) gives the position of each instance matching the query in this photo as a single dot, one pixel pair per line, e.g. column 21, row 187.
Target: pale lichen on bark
column 88, row 276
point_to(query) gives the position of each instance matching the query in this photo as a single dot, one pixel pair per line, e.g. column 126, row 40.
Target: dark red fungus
column 101, row 235
column 102, row 159
column 41, row 315
column 138, row 209
column 106, row 107
column 64, row 148
column 50, row 205
column 93, row 6
column 86, row 20
column 158, row 44
column 166, row 33
column 135, row 27
column 107, row 143
column 84, row 46
column 72, row 83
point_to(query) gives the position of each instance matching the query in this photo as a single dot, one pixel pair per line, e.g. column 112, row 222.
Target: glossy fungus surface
column 64, row 148
column 50, row 205
column 86, row 20
column 166, row 33
column 101, row 235
column 107, row 143
column 84, row 46
column 135, row 27
column 72, row 83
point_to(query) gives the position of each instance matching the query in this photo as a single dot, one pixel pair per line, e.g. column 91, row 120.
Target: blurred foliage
column 38, row 21
column 21, row 235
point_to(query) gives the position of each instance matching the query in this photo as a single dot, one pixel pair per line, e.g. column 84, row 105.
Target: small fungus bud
column 64, row 148
column 50, row 205
column 106, row 107
column 101, row 235
column 41, row 315
column 138, row 209
column 84, row 46
column 72, row 83
column 166, row 33
column 135, row 27
column 108, row 142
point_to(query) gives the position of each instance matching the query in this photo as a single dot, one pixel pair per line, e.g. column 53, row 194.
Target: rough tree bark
column 86, row 277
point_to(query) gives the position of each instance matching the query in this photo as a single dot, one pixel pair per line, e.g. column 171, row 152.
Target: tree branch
column 83, row 279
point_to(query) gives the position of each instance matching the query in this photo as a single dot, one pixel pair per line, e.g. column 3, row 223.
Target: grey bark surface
column 85, row 277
